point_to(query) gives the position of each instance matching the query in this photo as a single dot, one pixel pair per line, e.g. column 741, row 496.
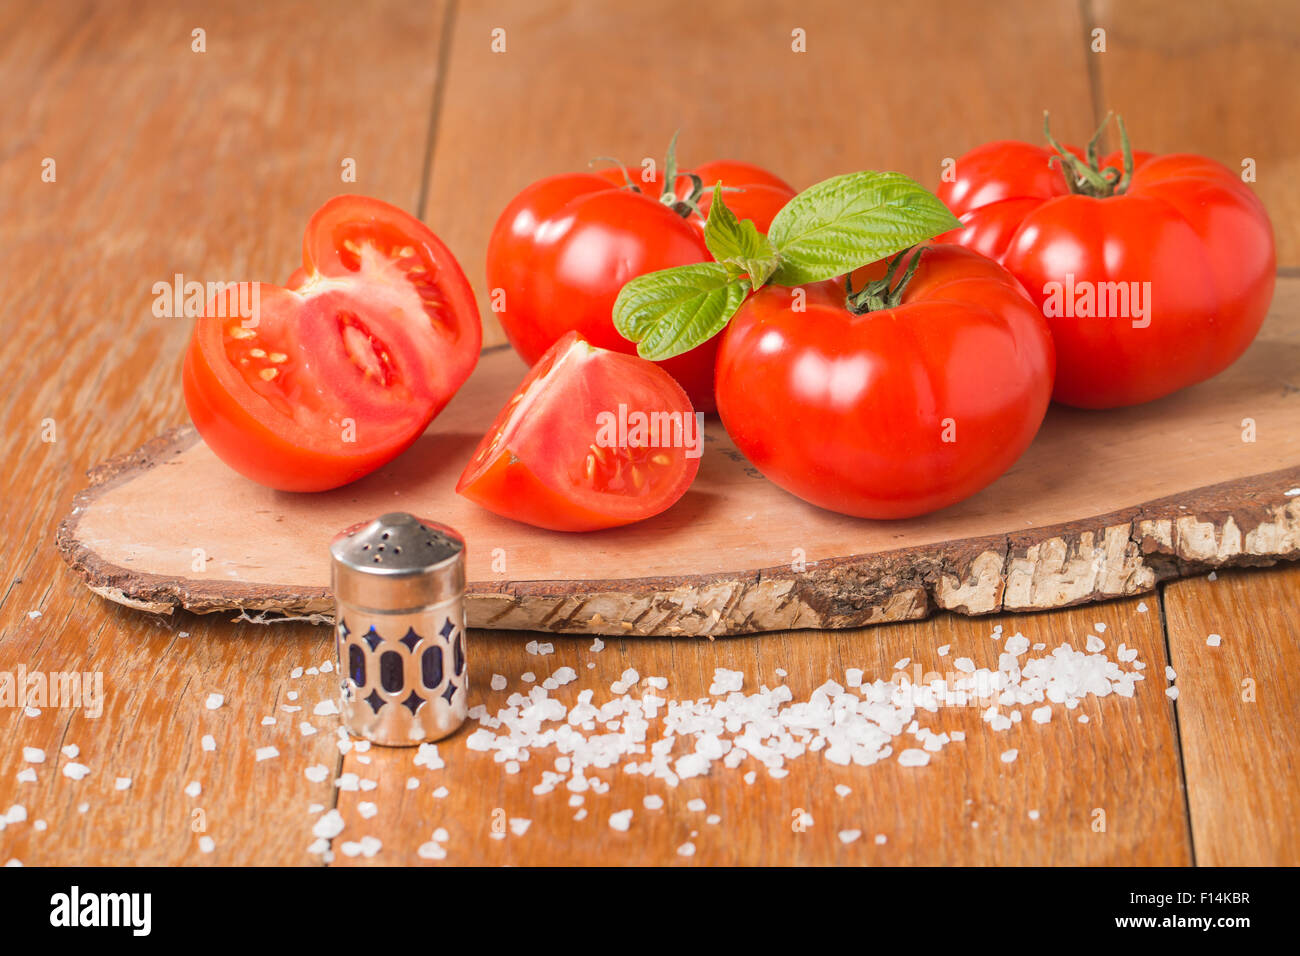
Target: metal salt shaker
column 399, row 593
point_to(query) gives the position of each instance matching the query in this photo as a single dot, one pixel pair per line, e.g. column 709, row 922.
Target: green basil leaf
column 739, row 244
column 846, row 222
column 672, row 311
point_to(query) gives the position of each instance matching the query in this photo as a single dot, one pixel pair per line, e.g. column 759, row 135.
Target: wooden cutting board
column 1103, row 504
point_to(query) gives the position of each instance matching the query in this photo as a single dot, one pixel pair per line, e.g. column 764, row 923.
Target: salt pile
column 857, row 722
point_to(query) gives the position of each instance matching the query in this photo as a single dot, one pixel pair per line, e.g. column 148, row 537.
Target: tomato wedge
column 557, row 456
column 338, row 374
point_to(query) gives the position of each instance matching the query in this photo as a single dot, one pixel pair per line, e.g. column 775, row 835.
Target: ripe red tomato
column 340, row 374
column 555, row 456
column 1147, row 291
column 896, row 412
column 565, row 246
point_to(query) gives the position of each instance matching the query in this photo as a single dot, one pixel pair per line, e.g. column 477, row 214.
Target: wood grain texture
column 966, row 807
column 167, row 161
column 618, row 79
column 1209, row 79
column 1164, row 489
column 1236, row 713
column 211, row 168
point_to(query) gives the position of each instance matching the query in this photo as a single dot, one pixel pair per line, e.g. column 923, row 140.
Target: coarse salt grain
column 75, row 770
column 428, row 756
column 214, row 701
column 193, row 789
column 849, row 836
column 620, row 820
column 266, row 753
column 329, row 825
column 499, row 682
column 1171, row 692
column 1009, row 756
column 842, row 790
column 207, row 844
column 33, row 755
column 1214, row 640
column 943, row 649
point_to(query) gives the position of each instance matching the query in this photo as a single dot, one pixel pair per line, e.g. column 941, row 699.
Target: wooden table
column 167, row 160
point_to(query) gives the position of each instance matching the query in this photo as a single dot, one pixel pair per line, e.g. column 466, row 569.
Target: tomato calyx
column 684, row 206
column 1087, row 177
column 883, row 293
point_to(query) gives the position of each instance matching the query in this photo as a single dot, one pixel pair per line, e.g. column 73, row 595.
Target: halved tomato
column 591, row 439
column 340, row 373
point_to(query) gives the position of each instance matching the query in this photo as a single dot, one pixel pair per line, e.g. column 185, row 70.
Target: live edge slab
column 1104, row 504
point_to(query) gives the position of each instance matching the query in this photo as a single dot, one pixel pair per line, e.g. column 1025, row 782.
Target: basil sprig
column 829, row 229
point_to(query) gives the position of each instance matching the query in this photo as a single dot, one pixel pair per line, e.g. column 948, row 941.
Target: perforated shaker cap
column 397, row 562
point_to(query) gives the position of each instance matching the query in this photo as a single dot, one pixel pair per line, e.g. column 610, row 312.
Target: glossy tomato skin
column 1186, row 225
column 565, row 246
column 544, row 462
column 340, row 373
column 852, row 413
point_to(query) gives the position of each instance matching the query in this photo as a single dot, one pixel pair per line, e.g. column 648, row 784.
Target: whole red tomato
column 1151, row 280
column 565, row 246
column 920, row 401
column 338, row 374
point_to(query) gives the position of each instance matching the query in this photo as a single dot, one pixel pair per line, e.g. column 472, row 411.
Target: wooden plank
column 1206, row 78
column 1165, row 488
column 880, row 87
column 966, row 807
column 167, row 161
column 1237, row 707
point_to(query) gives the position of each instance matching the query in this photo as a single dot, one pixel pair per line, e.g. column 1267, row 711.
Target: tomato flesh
column 546, row 459
column 341, row 372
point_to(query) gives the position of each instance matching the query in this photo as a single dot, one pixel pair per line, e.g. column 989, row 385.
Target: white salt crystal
column 913, row 758
column 620, row 820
